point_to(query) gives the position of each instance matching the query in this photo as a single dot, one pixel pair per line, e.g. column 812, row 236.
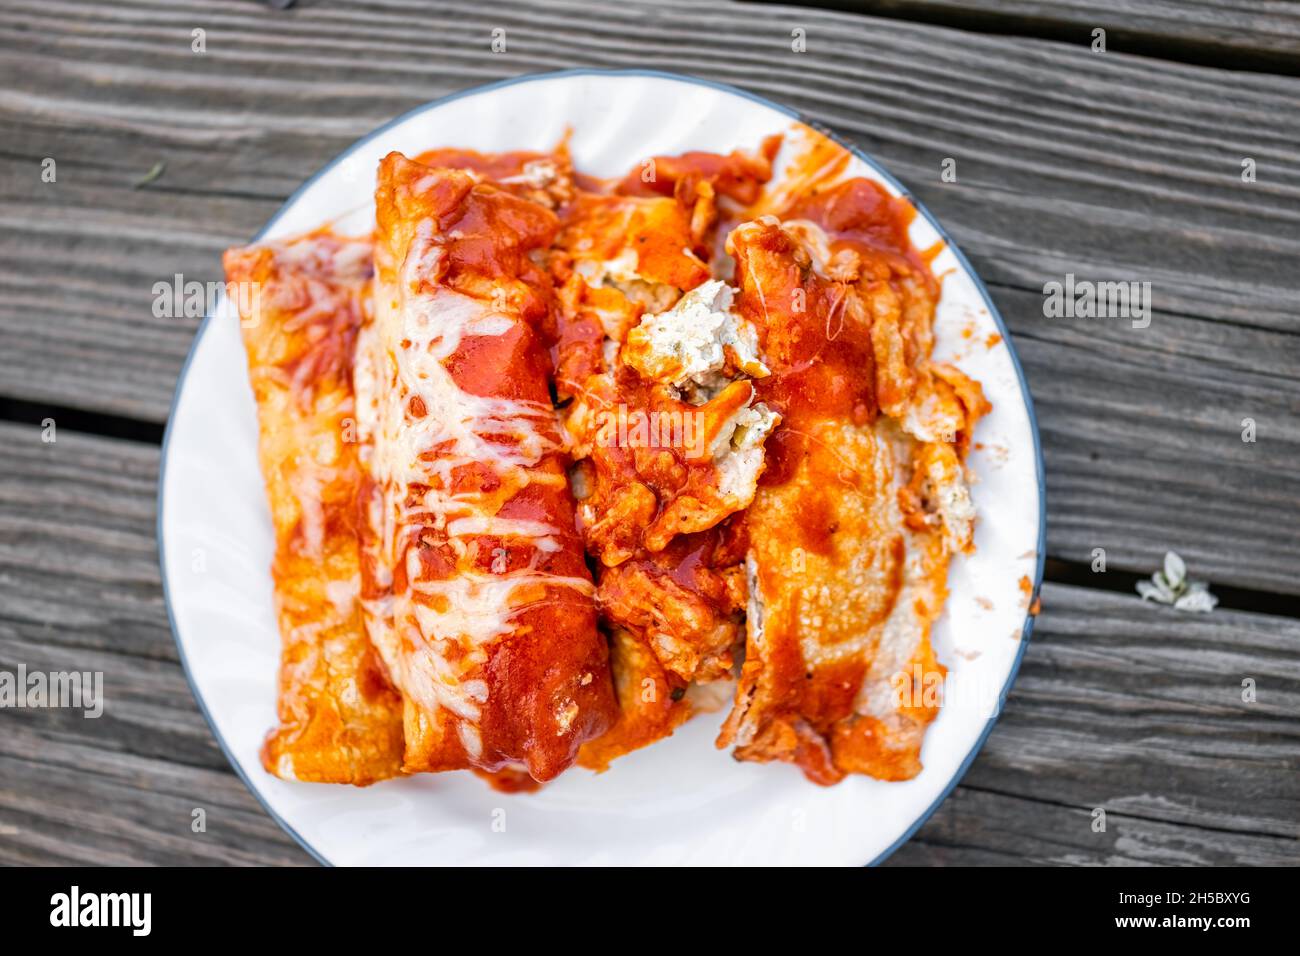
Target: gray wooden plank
column 80, row 591
column 1119, row 705
column 67, row 800
column 1251, row 33
column 978, row 828
column 78, row 560
column 1142, row 438
column 1136, row 710
column 1139, row 709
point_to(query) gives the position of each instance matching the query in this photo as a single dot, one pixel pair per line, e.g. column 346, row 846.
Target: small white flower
column 1153, row 592
column 1170, row 586
column 1201, row 601
column 1175, row 569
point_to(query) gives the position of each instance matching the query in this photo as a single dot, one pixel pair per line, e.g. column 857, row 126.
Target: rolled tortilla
column 864, row 500
column 301, row 303
column 476, row 589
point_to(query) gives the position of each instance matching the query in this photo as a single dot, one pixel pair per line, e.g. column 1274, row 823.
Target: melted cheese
column 442, row 628
column 421, row 331
column 620, row 269
column 337, row 723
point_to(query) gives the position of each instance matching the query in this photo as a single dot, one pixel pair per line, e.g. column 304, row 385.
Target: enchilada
column 340, row 721
column 864, row 500
column 474, row 581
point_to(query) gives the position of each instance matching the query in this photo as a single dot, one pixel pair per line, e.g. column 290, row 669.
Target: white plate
column 680, row 801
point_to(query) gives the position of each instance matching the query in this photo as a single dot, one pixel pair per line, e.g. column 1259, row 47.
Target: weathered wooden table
column 1122, row 164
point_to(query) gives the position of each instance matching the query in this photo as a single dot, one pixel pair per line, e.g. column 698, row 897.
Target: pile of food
column 556, row 462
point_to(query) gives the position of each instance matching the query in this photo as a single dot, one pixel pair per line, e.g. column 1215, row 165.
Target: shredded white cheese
column 738, row 451
column 436, row 648
column 687, row 345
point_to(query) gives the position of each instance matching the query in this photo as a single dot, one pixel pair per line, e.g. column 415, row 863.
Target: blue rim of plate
column 884, row 174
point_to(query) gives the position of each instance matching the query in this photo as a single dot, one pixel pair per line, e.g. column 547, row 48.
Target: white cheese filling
column 686, row 346
column 738, row 451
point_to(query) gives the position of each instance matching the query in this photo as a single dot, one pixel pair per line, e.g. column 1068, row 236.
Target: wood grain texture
column 1246, row 34
column 1102, row 165
column 1136, row 710
column 1119, row 705
column 80, row 591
